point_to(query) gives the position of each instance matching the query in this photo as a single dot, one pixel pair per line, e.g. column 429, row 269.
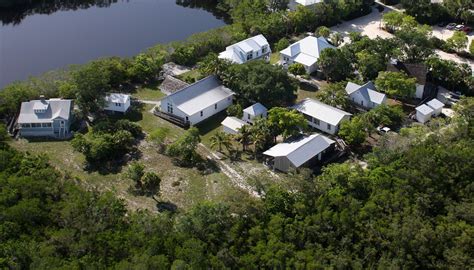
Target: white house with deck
column 117, row 102
column 365, row 95
column 232, row 125
column 298, row 152
column 256, row 47
column 254, row 111
column 198, row 101
column 322, row 116
column 45, row 118
column 305, row 52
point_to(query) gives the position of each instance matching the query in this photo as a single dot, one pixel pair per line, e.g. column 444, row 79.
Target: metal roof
column 367, row 90
column 56, row 108
column 309, row 48
column 233, row 123
column 238, row 52
column 256, row 109
column 200, row 95
column 321, row 111
column 435, row 104
column 117, row 98
column 424, row 109
column 301, row 150
column 308, row 2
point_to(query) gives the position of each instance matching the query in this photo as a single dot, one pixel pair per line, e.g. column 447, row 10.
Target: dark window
column 215, row 106
column 248, row 116
column 201, row 114
column 329, row 127
column 187, row 118
column 316, row 121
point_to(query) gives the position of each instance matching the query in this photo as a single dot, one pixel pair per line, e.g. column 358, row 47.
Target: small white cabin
column 423, row 113
column 116, row 102
column 231, row 125
column 254, row 111
column 436, row 105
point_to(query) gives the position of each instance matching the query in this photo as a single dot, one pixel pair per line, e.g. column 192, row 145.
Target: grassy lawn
column 190, row 76
column 148, row 93
column 211, row 126
column 274, row 58
column 181, row 187
column 306, row 91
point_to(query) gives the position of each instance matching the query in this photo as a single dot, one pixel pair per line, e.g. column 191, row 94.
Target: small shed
column 256, row 110
column 298, row 152
column 436, row 105
column 423, row 113
column 231, row 125
column 116, row 102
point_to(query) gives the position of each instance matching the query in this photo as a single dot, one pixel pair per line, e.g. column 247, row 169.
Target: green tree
column 151, row 183
column 297, row 69
column 14, row 94
column 336, row 39
column 184, row 148
column 415, row 44
column 92, row 82
column 276, row 5
column 286, row 122
column 221, row 140
column 354, row 131
column 143, row 68
column 244, row 136
column 471, row 47
column 458, row 41
column 135, row 172
column 211, row 64
column 257, row 81
column 282, row 44
column 335, row 64
column 385, row 115
column 369, row 64
column 393, row 20
column 396, row 84
column 334, row 94
column 235, row 110
column 322, row 31
column 158, row 137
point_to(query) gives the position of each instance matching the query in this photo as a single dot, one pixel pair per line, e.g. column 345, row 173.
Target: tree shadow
column 208, row 166
column 166, row 207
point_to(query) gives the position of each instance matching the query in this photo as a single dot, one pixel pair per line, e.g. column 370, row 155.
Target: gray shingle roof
column 367, row 90
column 171, row 84
column 256, row 109
column 44, row 111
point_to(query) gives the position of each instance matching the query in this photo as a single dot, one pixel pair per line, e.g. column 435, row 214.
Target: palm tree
column 244, row 136
column 220, row 140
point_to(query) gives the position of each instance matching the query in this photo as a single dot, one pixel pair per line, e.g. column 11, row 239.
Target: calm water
column 39, row 42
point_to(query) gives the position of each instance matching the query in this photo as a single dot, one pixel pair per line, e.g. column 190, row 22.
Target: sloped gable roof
column 435, row 104
column 56, row 108
column 321, row 111
column 256, row 109
column 301, row 150
column 171, row 84
column 418, row 70
column 117, row 98
column 367, row 90
column 424, row 109
column 307, row 50
column 233, row 123
column 238, row 52
column 200, row 95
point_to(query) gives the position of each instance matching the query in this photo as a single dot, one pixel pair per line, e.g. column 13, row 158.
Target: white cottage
column 305, row 52
column 256, row 47
column 198, row 101
column 45, row 118
column 322, row 116
column 232, row 125
column 298, row 152
column 254, row 111
column 116, row 102
column 436, row 105
column 423, row 113
column 365, row 95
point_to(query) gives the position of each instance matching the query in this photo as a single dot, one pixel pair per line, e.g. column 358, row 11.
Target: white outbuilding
column 298, row 152
column 423, row 113
column 436, row 105
column 116, row 102
column 232, row 125
column 254, row 111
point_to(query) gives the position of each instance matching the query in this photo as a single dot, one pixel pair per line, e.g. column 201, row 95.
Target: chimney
column 42, row 97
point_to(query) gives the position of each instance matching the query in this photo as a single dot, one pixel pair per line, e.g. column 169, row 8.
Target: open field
column 181, row 188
